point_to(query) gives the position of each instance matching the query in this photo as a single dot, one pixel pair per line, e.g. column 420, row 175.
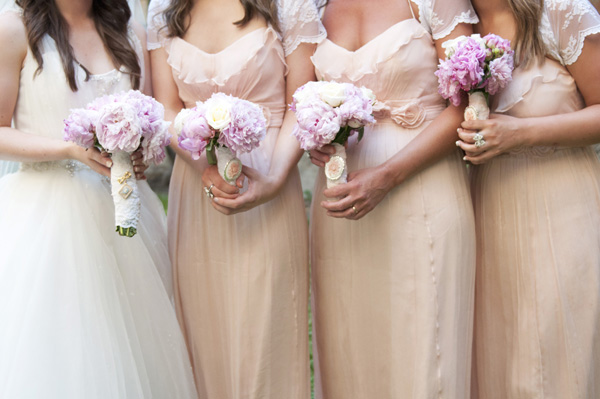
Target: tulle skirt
column 84, row 313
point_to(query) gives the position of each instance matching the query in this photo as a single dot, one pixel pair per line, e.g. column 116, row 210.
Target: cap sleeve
column 440, row 17
column 300, row 23
column 157, row 25
column 568, row 23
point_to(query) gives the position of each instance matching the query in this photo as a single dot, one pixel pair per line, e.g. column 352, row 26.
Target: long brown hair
column 111, row 18
column 528, row 43
column 176, row 15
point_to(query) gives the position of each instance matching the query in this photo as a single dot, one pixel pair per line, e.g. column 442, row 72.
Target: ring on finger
column 354, row 209
column 208, row 191
column 479, row 141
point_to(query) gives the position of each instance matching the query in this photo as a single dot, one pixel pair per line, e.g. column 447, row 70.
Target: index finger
column 474, row 125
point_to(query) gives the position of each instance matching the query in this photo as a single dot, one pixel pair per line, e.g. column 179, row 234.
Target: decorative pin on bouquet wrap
column 328, row 113
column 223, row 126
column 120, row 125
column 478, row 66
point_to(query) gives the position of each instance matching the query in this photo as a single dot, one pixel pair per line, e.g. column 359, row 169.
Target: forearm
column 287, row 151
column 16, row 145
column 573, row 129
column 429, row 146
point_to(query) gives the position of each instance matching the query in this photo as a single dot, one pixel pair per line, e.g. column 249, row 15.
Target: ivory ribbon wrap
column 478, row 108
column 225, row 160
column 127, row 210
column 336, row 170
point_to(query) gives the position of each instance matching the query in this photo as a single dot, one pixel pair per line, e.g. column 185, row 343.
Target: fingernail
column 109, row 164
column 457, row 143
column 464, row 158
column 458, row 130
column 215, row 199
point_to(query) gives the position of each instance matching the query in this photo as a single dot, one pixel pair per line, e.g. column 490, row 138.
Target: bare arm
column 575, row 129
column 16, row 145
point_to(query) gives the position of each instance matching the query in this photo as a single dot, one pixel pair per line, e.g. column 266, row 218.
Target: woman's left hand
column 364, row 190
column 261, row 189
column 501, row 134
column 139, row 167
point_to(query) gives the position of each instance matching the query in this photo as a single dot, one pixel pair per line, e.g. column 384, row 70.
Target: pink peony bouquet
column 478, row 66
column 225, row 124
column 328, row 113
column 121, row 124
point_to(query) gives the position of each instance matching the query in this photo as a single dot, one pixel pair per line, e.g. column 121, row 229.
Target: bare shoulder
column 13, row 35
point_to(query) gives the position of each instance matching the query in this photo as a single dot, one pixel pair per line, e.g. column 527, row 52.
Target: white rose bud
column 354, row 124
column 217, row 114
column 450, row 45
column 333, row 94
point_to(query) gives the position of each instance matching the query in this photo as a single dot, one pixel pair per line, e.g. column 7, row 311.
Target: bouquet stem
column 478, row 108
column 125, row 194
column 336, row 170
column 230, row 168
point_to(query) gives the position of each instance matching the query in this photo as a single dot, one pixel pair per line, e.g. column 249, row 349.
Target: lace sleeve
column 157, row 26
column 300, row 23
column 440, row 17
column 565, row 25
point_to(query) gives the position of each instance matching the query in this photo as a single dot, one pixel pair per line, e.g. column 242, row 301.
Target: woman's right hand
column 213, row 181
column 92, row 157
column 320, row 156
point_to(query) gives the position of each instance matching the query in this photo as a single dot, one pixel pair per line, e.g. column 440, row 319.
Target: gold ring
column 354, row 209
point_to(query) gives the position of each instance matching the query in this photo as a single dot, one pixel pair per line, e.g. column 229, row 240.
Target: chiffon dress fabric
column 393, row 291
column 537, row 322
column 241, row 281
column 84, row 313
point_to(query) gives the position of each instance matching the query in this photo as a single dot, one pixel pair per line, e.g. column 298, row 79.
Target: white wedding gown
column 84, row 313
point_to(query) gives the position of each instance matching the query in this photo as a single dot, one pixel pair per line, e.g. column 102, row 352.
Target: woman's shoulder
column 13, row 34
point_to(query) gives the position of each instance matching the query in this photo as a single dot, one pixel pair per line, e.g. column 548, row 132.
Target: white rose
column 217, row 113
column 354, row 124
column 333, row 93
column 450, row 45
column 180, row 120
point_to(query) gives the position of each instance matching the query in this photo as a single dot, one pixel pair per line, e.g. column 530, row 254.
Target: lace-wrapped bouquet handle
column 478, row 66
column 328, row 113
column 120, row 125
column 224, row 126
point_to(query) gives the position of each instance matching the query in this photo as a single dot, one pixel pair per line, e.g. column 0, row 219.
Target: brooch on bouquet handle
column 120, row 125
column 223, row 126
column 328, row 113
column 478, row 66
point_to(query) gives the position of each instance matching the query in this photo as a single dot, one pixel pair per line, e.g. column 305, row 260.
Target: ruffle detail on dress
column 510, row 98
column 185, row 63
column 571, row 55
column 367, row 64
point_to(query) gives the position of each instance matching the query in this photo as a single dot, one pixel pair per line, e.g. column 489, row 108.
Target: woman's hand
column 218, row 187
column 364, row 190
column 97, row 161
column 500, row 133
column 139, row 167
column 261, row 189
column 320, row 157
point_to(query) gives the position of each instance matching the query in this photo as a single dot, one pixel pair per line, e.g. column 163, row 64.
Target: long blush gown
column 242, row 281
column 84, row 313
column 537, row 329
column 393, row 291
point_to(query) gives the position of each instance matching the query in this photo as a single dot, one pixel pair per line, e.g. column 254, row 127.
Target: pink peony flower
column 500, row 73
column 80, row 127
column 247, row 128
column 357, row 109
column 195, row 133
column 318, row 124
column 118, row 127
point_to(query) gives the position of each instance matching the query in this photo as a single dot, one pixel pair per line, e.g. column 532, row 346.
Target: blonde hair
column 529, row 46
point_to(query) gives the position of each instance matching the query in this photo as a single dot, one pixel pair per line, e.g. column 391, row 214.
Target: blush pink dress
column 537, row 329
column 241, row 282
column 393, row 291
